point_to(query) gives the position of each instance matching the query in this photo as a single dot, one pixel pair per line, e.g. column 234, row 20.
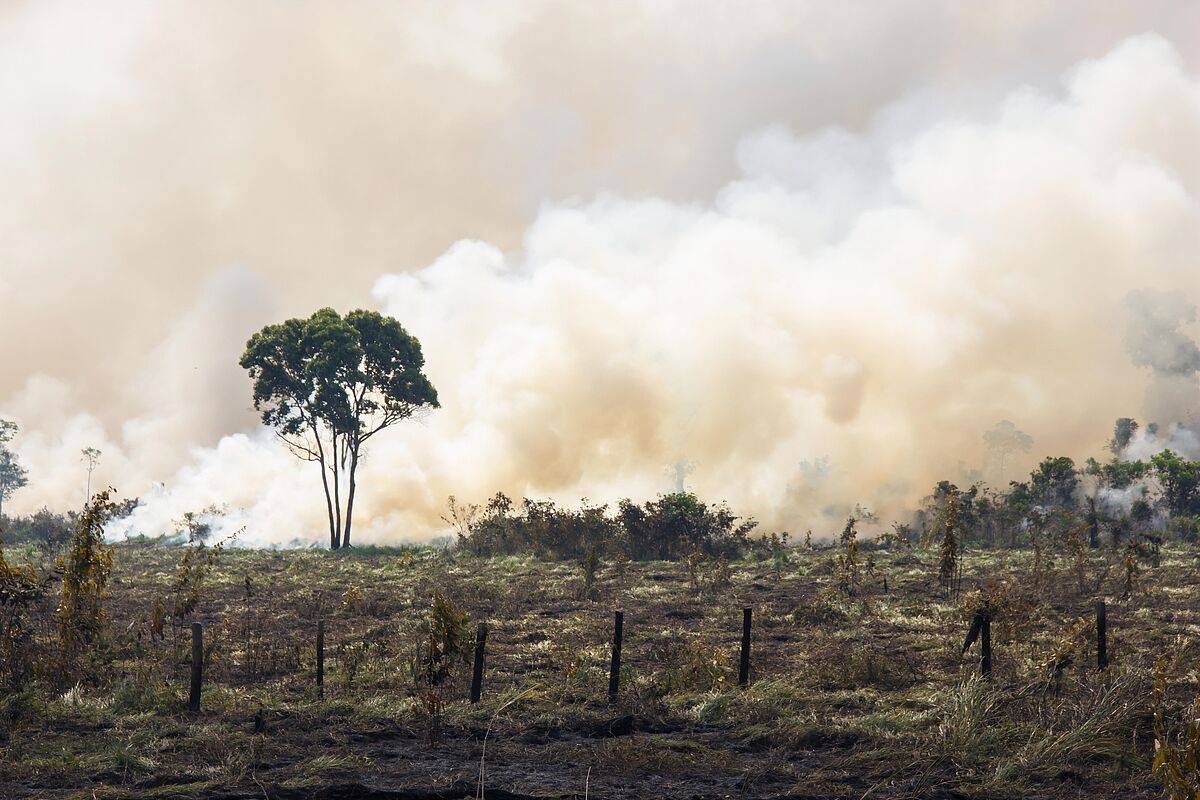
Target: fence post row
column 981, row 629
column 614, row 671
column 197, row 668
column 477, row 675
column 744, row 665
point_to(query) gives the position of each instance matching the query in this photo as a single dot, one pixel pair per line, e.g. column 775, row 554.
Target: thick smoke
column 909, row 250
column 1155, row 340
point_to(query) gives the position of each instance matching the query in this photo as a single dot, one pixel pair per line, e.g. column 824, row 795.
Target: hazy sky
column 747, row 235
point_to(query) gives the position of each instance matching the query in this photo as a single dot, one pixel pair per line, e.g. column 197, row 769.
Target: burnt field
column 854, row 692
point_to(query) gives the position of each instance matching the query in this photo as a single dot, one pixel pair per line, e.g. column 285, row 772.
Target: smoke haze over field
column 815, row 251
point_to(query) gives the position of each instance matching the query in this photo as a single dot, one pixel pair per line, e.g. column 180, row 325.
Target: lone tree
column 1003, row 440
column 327, row 384
column 12, row 475
column 91, row 457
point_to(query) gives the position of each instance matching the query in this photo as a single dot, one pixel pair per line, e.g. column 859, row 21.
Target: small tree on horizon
column 12, row 475
column 327, row 384
column 1003, row 440
column 91, row 457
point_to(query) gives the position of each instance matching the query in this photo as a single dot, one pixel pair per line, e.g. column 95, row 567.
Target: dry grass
column 852, row 697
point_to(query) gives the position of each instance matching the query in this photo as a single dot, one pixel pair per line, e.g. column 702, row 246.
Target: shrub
column 446, row 641
column 43, row 528
column 1176, row 748
column 678, row 524
column 1185, row 528
column 85, row 569
column 540, row 527
column 20, row 588
column 195, row 565
column 669, row 528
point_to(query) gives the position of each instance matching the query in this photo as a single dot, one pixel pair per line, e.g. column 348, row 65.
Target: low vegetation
column 853, row 693
column 860, row 684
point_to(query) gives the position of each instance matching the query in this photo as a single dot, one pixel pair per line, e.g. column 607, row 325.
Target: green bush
column 670, row 528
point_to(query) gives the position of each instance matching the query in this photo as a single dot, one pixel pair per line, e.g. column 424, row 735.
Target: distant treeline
column 48, row 529
column 1121, row 502
column 1118, row 503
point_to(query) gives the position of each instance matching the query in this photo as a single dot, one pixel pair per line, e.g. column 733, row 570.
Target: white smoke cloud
column 877, row 291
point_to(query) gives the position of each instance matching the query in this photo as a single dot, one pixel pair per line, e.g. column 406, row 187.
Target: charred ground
column 853, row 694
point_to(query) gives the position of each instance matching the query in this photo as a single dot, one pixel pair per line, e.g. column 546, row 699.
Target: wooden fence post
column 981, row 628
column 197, row 668
column 321, row 658
column 477, row 676
column 985, row 642
column 744, row 666
column 1101, row 636
column 614, row 670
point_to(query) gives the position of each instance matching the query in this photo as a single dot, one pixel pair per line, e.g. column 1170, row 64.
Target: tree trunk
column 337, row 492
column 333, row 537
column 350, row 495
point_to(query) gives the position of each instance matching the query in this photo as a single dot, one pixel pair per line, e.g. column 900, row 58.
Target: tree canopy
column 12, row 475
column 327, row 384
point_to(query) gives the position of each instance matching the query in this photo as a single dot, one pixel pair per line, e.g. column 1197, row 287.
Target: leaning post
column 981, row 628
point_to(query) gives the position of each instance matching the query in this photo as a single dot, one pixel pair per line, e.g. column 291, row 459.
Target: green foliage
column 670, row 528
column 1118, row 474
column 539, row 527
column 195, row 564
column 588, row 565
column 678, row 524
column 977, row 515
column 85, row 569
column 12, row 475
column 43, row 528
column 1054, row 482
column 446, row 641
column 779, row 553
column 1123, row 431
column 1180, row 481
column 847, row 563
column 20, row 588
column 327, row 384
column 948, row 558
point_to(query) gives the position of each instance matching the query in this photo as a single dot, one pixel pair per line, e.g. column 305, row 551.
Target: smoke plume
column 1155, row 340
column 816, row 265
